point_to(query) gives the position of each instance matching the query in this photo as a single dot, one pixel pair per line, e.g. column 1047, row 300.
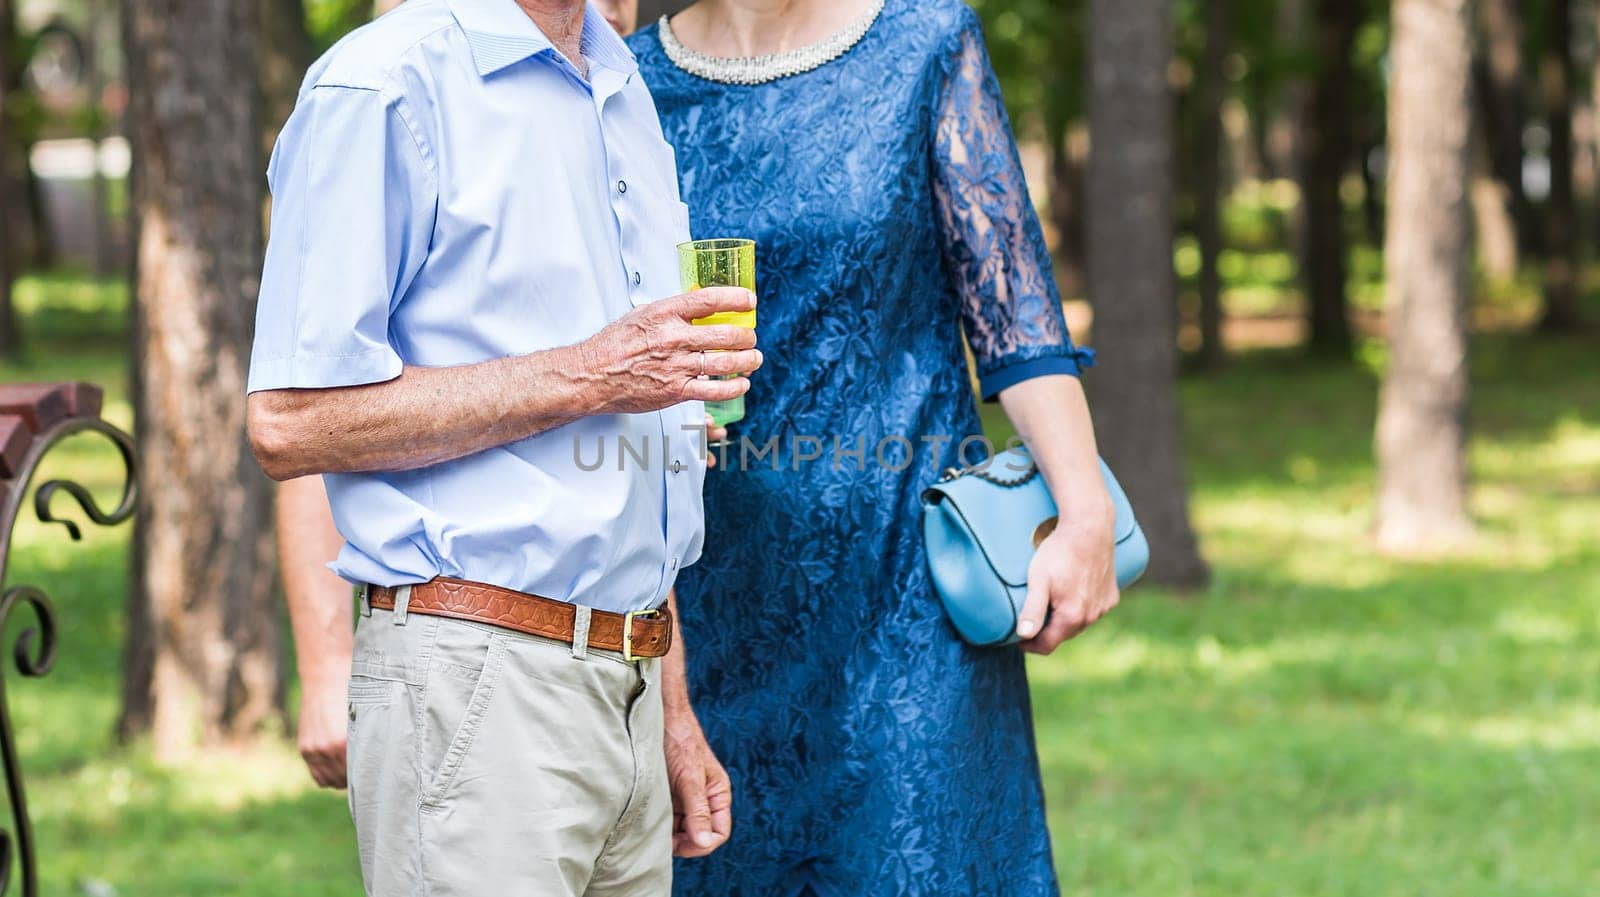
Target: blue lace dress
column 871, row 751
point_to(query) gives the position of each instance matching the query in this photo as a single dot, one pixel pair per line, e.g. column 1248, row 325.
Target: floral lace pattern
column 871, row 751
column 992, row 240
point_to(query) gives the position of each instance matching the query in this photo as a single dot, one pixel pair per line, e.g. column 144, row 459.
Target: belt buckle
column 627, row 631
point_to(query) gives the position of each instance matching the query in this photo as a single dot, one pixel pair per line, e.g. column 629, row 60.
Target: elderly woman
column 864, row 146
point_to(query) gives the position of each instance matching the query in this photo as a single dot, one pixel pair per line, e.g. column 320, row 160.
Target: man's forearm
column 649, row 359
column 320, row 603
column 423, row 417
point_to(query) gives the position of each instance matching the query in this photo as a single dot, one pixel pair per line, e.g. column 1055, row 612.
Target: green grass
column 71, row 305
column 1321, row 721
column 1318, row 722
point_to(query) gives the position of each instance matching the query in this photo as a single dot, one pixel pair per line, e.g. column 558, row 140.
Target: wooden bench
column 28, row 410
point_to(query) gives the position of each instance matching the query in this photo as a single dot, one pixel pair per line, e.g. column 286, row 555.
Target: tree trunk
column 1421, row 433
column 1131, row 280
column 1367, row 147
column 1495, row 228
column 1561, row 311
column 1066, row 212
column 1594, row 129
column 1213, row 90
column 104, row 248
column 1282, row 151
column 286, row 53
column 42, row 243
column 27, row 224
column 1498, row 77
column 1329, row 145
column 203, row 654
column 10, row 336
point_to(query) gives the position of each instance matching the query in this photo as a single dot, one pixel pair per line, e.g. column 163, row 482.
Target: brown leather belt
column 636, row 635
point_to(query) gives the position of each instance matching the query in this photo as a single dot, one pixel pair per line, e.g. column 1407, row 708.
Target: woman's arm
column 1011, row 313
column 321, row 614
column 702, row 796
column 993, row 245
column 1072, row 580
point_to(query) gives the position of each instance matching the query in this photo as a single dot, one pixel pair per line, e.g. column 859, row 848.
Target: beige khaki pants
column 485, row 762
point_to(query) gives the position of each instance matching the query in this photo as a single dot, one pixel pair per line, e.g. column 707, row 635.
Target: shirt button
column 677, row 467
column 622, row 186
column 637, row 278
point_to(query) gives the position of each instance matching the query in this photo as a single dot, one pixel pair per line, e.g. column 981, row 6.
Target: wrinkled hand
column 654, row 357
column 1073, row 579
column 702, row 797
column 324, row 715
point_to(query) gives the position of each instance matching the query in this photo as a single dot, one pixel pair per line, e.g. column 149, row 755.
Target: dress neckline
column 753, row 70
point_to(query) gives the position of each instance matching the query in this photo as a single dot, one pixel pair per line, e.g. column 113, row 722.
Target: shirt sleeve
column 354, row 198
column 993, row 245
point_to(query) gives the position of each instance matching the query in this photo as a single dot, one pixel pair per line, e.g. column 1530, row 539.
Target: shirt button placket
column 624, row 220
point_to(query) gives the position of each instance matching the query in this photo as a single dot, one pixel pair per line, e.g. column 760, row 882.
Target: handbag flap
column 1008, row 518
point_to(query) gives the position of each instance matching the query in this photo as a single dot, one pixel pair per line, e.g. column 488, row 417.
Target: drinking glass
column 721, row 263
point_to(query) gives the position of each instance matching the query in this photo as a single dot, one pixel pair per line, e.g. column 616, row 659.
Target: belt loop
column 364, row 595
column 580, row 632
column 402, row 603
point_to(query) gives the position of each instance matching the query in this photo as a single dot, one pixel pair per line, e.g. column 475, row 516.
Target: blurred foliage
column 329, row 20
column 72, row 306
column 1037, row 48
column 1040, row 55
column 23, row 110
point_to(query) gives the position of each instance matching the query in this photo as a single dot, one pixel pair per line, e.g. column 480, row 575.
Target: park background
column 1353, row 672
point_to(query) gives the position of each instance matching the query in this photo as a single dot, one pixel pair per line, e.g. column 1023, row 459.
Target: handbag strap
column 982, row 473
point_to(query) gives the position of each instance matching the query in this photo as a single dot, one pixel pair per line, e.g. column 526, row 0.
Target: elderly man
column 474, row 215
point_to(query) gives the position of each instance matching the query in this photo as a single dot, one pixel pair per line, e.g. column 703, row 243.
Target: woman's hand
column 1072, row 581
column 702, row 796
column 714, row 435
column 323, row 727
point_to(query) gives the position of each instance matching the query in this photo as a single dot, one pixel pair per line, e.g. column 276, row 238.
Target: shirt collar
column 501, row 34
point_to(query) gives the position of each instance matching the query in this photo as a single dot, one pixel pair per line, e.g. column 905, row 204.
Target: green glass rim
column 721, row 244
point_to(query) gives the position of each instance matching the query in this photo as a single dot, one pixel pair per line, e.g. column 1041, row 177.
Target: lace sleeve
column 993, row 246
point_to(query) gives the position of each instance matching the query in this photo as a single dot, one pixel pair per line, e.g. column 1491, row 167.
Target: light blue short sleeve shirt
column 451, row 190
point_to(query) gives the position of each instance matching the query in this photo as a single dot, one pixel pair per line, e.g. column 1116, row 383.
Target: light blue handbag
column 981, row 527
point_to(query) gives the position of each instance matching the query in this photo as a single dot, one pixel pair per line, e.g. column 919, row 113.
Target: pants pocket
column 370, row 691
column 379, row 723
column 456, row 699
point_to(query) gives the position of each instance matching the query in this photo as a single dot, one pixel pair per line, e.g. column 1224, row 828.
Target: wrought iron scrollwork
column 34, row 651
column 86, row 501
